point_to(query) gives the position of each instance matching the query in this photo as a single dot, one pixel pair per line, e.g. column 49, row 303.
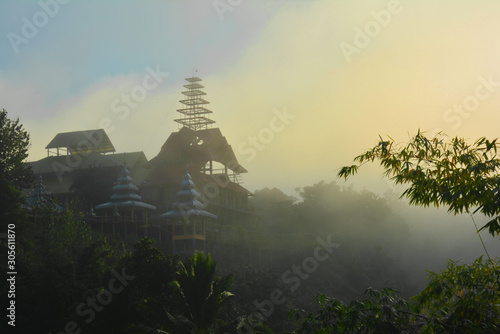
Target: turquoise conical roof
column 39, row 196
column 188, row 201
column 125, row 194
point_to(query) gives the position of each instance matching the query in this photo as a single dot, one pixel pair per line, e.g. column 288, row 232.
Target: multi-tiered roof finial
column 194, row 115
column 39, row 196
column 125, row 194
column 188, row 201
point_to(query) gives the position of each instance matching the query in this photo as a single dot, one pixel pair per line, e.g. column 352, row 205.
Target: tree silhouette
column 15, row 173
column 450, row 172
column 199, row 295
column 203, row 293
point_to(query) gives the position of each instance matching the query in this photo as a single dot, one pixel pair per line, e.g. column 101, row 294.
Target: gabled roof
column 196, row 148
column 83, row 142
column 50, row 164
column 57, row 170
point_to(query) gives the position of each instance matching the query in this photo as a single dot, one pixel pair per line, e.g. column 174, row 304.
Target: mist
column 381, row 241
column 297, row 89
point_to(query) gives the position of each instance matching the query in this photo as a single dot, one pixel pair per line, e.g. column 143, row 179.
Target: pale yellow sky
column 432, row 65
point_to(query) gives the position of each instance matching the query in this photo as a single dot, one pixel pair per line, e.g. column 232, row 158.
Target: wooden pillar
column 159, row 236
column 203, row 233
column 193, row 221
column 146, row 223
column 125, row 227
column 136, row 231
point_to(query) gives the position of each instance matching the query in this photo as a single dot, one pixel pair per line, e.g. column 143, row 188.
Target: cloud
column 404, row 79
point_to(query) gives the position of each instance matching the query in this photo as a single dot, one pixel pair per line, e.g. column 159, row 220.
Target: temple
column 39, row 197
column 82, row 167
column 189, row 222
column 211, row 163
column 126, row 201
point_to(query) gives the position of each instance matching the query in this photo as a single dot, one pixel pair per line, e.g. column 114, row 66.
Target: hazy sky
column 297, row 87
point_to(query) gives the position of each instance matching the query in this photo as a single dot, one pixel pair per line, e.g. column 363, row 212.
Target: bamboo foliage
column 442, row 171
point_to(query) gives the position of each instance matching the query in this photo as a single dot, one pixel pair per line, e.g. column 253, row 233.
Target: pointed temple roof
column 125, row 194
column 39, row 196
column 196, row 148
column 195, row 145
column 188, row 201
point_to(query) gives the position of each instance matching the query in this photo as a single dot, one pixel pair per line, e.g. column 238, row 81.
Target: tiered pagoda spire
column 194, row 115
column 188, row 220
column 39, row 196
column 187, row 202
column 125, row 194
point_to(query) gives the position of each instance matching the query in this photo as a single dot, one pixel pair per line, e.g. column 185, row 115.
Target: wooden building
column 82, row 166
column 190, row 224
column 82, row 169
column 211, row 163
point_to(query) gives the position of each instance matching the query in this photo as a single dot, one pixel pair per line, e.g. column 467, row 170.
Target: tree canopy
column 442, row 171
column 459, row 299
column 15, row 173
column 14, row 144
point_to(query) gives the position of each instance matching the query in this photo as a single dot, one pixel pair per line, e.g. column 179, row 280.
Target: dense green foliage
column 451, row 172
column 59, row 261
column 460, row 299
column 200, row 297
column 59, row 251
column 381, row 312
column 203, row 294
column 14, row 144
column 72, row 279
column 15, row 173
column 464, row 177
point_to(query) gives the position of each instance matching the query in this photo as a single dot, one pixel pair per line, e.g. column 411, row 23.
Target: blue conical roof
column 125, row 194
column 39, row 196
column 188, row 201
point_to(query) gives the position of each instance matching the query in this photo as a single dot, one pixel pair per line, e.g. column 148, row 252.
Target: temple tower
column 188, row 220
column 212, row 163
column 194, row 115
column 126, row 201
